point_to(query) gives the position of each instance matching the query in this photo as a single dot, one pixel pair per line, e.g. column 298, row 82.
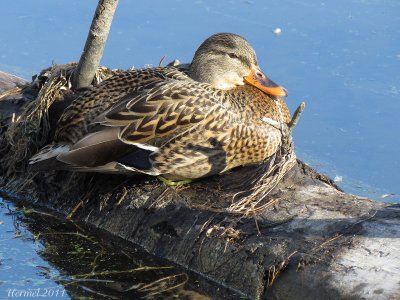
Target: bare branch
column 95, row 42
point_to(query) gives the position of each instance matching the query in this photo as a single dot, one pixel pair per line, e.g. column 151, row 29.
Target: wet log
column 311, row 241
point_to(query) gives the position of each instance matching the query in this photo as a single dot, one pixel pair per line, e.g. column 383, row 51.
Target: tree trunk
column 95, row 42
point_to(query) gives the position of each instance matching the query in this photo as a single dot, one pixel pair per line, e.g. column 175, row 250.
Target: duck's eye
column 233, row 55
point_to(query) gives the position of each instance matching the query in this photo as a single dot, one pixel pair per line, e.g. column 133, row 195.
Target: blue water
column 44, row 256
column 23, row 273
column 341, row 57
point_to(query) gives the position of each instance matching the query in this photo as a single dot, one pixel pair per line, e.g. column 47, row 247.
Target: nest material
column 28, row 132
column 271, row 173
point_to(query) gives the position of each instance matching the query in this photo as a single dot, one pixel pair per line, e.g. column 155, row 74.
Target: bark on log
column 95, row 43
column 312, row 242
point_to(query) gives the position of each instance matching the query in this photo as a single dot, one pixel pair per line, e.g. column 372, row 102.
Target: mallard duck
column 185, row 122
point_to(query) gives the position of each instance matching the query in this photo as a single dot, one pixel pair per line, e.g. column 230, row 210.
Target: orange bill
column 263, row 83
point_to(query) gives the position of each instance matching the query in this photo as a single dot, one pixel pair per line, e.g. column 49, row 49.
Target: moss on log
column 311, row 240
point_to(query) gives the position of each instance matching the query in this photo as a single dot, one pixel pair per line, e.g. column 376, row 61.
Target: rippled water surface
column 21, row 268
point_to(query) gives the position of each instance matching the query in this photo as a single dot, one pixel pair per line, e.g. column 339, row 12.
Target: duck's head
column 226, row 60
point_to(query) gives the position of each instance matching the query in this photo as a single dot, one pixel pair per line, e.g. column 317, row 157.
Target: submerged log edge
column 313, row 241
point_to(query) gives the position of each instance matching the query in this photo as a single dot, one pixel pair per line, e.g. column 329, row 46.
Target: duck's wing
column 161, row 111
column 138, row 125
column 75, row 121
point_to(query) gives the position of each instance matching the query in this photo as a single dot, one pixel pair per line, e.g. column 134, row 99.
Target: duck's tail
column 55, row 157
column 46, row 158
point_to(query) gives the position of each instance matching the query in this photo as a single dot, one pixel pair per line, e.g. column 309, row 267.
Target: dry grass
column 271, row 174
column 11, row 92
column 29, row 131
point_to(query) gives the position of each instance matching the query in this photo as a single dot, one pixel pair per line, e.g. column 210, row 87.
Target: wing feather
column 160, row 111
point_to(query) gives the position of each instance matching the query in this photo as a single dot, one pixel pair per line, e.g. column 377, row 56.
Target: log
column 8, row 81
column 311, row 241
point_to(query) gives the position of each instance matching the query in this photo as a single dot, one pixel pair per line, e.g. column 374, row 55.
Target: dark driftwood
column 95, row 43
column 312, row 242
column 8, row 81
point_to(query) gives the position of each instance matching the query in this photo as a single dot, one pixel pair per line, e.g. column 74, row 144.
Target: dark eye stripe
column 245, row 60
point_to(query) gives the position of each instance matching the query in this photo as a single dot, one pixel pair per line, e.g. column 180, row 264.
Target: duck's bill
column 263, row 83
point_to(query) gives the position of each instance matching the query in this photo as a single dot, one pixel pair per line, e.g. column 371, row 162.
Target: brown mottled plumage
column 181, row 122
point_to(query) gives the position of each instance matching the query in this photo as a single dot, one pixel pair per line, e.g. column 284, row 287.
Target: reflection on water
column 341, row 57
column 44, row 256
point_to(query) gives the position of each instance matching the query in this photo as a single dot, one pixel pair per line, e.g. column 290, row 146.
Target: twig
column 296, row 115
column 275, row 270
column 161, row 61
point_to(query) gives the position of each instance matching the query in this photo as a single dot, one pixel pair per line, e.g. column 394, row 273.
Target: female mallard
column 178, row 122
